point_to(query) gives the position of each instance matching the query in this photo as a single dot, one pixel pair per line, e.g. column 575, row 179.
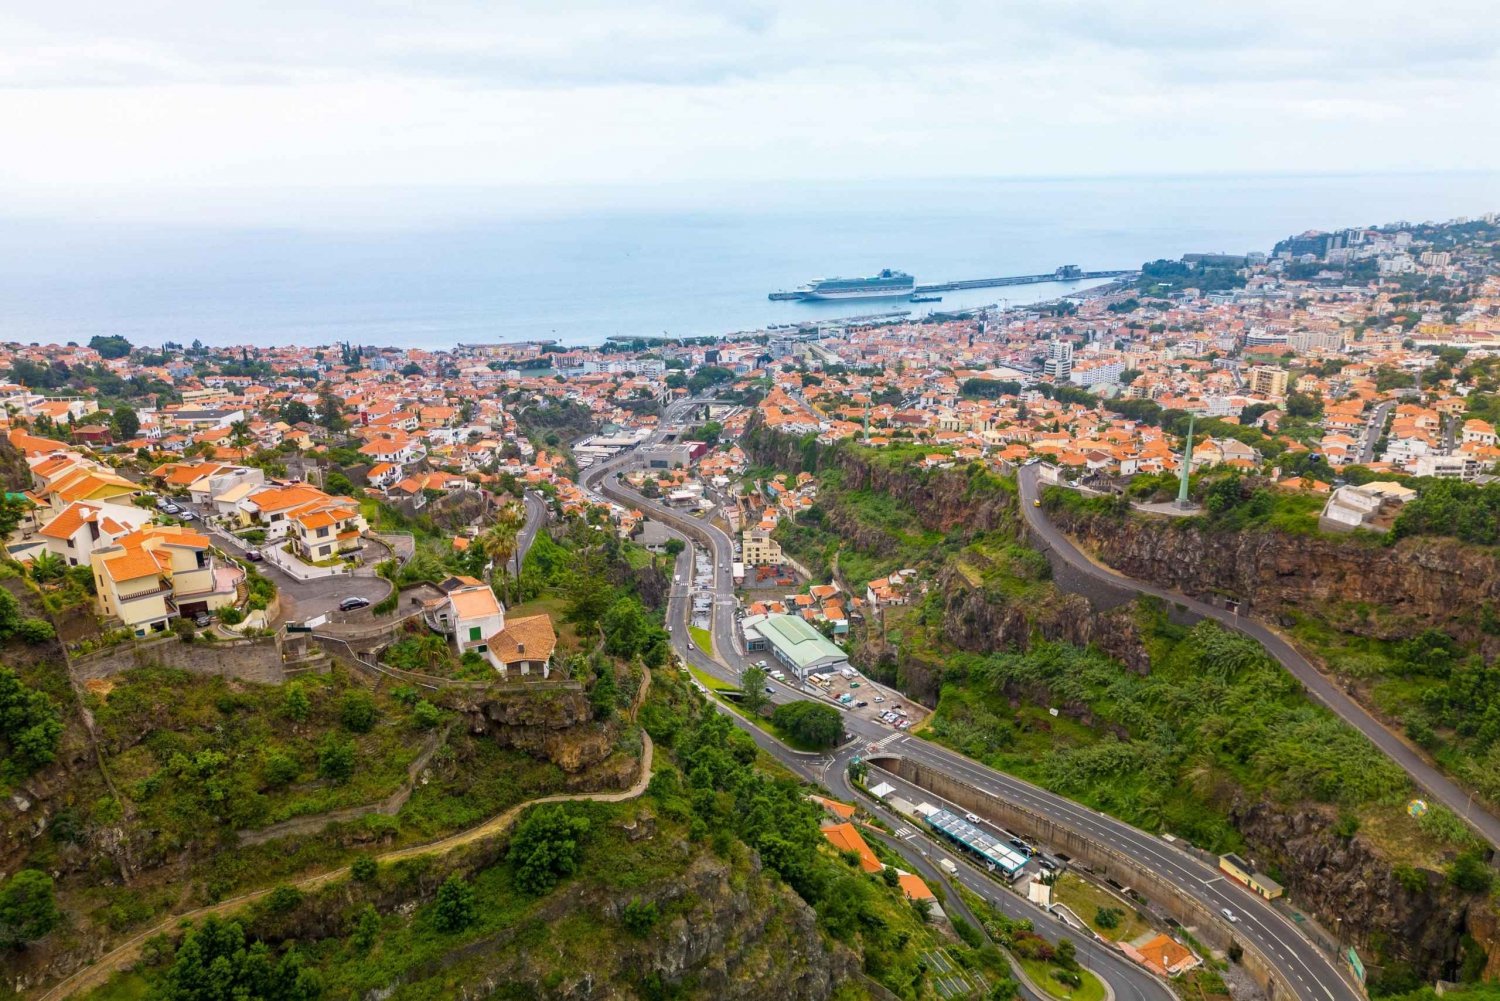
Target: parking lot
column 883, row 705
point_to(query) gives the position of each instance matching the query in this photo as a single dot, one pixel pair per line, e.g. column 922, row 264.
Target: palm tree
column 239, row 434
column 47, row 565
column 501, row 540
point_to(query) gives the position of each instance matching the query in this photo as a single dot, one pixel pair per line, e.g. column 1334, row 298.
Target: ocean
column 699, row 265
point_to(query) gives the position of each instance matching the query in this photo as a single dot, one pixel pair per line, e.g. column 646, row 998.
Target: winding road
column 1427, row 777
column 1305, row 971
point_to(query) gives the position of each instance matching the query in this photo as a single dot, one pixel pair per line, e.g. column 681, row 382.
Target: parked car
column 972, row 818
column 254, row 556
column 861, row 704
column 352, row 603
column 170, row 508
column 880, row 698
column 188, row 516
column 203, row 619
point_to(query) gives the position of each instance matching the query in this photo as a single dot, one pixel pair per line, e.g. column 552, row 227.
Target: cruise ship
column 886, row 285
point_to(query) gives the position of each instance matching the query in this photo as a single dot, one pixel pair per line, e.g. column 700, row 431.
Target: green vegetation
column 30, row 726
column 1167, row 751
column 703, row 638
column 27, row 908
column 809, row 723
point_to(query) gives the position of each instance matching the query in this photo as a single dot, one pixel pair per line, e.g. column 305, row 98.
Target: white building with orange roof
column 475, row 619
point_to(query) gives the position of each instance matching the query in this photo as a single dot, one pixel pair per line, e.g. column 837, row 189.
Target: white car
column 1229, row 915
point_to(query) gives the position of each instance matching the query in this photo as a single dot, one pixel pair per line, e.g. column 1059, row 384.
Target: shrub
column 30, row 726
column 455, row 905
column 283, row 899
column 1108, row 917
column 366, row 928
column 364, row 869
column 280, row 768
column 336, row 758
column 36, row 631
column 295, row 703
column 639, row 917
column 426, row 715
column 387, row 605
column 231, row 616
column 357, row 711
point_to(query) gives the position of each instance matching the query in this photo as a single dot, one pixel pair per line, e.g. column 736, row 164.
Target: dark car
column 861, row 704
column 350, row 604
column 254, row 556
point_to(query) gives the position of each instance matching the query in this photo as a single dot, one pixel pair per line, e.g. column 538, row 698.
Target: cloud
column 145, row 98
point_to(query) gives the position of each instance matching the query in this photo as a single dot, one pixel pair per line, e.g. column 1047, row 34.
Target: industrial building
column 987, row 847
column 794, row 642
column 1244, row 873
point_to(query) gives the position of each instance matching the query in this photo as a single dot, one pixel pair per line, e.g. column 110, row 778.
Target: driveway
column 305, row 599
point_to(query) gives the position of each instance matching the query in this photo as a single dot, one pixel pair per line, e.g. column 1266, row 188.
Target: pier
column 1066, row 273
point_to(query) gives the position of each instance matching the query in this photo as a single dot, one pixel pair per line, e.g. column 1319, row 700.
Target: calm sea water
column 703, row 267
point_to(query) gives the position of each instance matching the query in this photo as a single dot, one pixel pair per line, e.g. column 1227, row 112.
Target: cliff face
column 1419, row 919
column 1383, row 592
column 557, row 726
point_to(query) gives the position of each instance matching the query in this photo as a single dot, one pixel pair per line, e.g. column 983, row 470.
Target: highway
column 1433, row 782
column 1306, row 970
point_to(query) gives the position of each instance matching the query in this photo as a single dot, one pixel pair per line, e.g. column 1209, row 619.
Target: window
column 323, row 532
column 473, row 632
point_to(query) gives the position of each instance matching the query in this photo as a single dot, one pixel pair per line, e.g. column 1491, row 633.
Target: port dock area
column 1066, row 273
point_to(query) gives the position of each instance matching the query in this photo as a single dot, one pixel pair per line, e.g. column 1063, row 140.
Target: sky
column 192, row 111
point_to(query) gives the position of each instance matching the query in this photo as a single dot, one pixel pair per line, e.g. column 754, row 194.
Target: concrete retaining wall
column 1207, row 924
column 256, row 659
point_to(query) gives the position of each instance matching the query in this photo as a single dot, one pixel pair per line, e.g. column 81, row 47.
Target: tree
column 215, row 964
column 810, row 722
column 47, row 566
column 501, row 540
column 673, row 547
column 753, row 684
column 239, row 434
column 366, row 929
column 336, row 758
column 110, row 347
column 30, row 724
column 639, row 916
column 27, row 908
column 455, row 905
column 125, row 422
column 295, row 702
column 605, row 692
column 296, row 412
column 546, row 847
column 330, row 409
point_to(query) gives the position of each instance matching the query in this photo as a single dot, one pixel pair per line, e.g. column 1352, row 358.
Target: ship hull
column 890, row 293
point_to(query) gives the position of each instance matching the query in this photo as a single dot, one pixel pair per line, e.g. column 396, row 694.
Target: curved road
column 1306, row 971
column 1437, row 785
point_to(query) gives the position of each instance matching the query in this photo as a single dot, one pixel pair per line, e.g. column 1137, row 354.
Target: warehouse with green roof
column 794, row 642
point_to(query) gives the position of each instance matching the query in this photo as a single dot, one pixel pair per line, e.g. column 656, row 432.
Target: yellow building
column 1241, row 872
column 1267, row 380
column 758, row 548
column 149, row 577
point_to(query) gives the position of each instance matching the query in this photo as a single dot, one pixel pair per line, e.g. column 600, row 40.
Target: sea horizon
column 703, row 268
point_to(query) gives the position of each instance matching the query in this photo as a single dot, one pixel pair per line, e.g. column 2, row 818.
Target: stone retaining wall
column 256, row 659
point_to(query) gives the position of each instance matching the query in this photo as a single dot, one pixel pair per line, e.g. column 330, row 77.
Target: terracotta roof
column 133, row 564
column 474, row 603
column 530, row 637
column 846, row 839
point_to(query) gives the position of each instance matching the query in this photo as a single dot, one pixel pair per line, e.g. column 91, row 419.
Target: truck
column 948, row 866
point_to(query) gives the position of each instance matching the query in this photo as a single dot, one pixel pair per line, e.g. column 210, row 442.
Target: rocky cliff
column 1413, row 916
column 557, row 726
column 1357, row 585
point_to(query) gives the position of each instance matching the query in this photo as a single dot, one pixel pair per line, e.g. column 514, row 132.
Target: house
column 846, row 838
column 148, row 577
column 472, row 614
column 1163, row 956
column 83, row 527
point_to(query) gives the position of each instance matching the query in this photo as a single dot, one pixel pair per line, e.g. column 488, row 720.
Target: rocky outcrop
column 1359, row 586
column 1411, row 915
column 557, row 725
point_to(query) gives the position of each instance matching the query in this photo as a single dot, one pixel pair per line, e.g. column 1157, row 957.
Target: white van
column 948, row 866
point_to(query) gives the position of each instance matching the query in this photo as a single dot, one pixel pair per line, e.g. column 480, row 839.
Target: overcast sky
column 153, row 107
